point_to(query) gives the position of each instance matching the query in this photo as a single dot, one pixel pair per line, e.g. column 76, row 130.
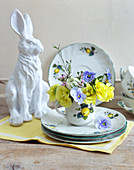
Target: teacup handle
column 56, row 108
column 122, row 71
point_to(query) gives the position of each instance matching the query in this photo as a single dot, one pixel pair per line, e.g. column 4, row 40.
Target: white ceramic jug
column 78, row 115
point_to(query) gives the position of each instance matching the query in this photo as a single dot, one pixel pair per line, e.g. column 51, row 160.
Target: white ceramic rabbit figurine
column 26, row 92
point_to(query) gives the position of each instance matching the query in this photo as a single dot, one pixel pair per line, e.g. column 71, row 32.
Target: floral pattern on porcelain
column 131, row 86
column 89, row 51
column 51, row 126
column 57, row 69
column 85, row 110
column 111, row 115
column 122, row 105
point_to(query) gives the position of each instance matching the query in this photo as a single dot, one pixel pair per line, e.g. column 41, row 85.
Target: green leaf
column 91, row 110
column 78, row 109
column 54, row 65
column 100, row 77
column 55, row 47
column 79, row 115
column 116, row 115
column 92, row 48
column 85, row 117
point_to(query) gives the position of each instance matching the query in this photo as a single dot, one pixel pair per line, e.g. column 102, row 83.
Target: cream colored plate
column 88, row 141
column 57, row 123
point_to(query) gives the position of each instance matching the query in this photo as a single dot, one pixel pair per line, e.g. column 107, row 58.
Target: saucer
column 87, row 141
column 85, row 57
column 123, row 106
column 127, row 103
column 56, row 123
column 86, row 138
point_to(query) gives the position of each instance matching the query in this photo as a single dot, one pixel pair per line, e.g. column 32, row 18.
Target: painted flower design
column 85, row 110
column 57, row 68
column 111, row 115
column 88, row 76
column 89, row 51
column 77, row 95
column 131, row 86
column 103, row 123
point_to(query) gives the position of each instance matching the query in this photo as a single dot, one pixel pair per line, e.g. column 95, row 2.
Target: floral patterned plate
column 87, row 141
column 85, row 138
column 85, row 57
column 58, row 124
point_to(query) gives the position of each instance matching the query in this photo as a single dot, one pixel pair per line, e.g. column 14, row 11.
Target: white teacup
column 127, row 80
column 129, row 102
column 74, row 113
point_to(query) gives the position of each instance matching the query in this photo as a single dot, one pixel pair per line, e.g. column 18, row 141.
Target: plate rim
column 86, row 134
column 85, row 138
column 83, row 142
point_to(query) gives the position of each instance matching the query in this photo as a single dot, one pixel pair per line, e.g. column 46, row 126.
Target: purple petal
column 103, row 122
column 77, row 95
column 88, row 76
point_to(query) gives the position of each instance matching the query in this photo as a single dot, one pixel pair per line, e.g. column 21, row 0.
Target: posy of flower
column 84, row 88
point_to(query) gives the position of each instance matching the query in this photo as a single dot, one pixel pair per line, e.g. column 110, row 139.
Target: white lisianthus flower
column 71, row 82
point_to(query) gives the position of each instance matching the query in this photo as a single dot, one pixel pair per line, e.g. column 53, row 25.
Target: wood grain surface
column 34, row 155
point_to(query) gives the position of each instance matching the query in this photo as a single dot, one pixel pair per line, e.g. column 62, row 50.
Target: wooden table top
column 34, row 155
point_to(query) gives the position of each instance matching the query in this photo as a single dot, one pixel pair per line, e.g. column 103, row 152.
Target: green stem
column 59, row 52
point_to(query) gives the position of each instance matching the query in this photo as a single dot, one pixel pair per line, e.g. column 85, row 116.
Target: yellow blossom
column 52, row 92
column 104, row 92
column 91, row 96
column 62, row 95
column 110, row 92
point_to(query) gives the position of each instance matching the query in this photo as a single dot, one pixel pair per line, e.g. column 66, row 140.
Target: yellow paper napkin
column 32, row 131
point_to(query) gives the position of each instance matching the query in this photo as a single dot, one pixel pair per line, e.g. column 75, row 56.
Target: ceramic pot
column 127, row 80
column 78, row 115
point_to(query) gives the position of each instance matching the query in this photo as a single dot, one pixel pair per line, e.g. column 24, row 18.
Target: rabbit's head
column 28, row 45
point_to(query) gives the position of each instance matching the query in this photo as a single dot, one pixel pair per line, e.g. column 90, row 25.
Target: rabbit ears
column 21, row 25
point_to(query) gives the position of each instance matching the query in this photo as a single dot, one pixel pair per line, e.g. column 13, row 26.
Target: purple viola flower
column 77, row 95
column 108, row 76
column 103, row 123
column 88, row 76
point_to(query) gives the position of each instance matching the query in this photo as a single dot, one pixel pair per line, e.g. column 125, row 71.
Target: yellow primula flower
column 104, row 92
column 110, row 92
column 101, row 90
column 91, row 96
column 52, row 92
column 62, row 95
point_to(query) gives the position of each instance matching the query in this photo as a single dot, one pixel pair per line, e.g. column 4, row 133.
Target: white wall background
column 107, row 23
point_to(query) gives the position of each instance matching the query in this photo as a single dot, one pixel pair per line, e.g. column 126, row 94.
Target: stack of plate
column 57, row 127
